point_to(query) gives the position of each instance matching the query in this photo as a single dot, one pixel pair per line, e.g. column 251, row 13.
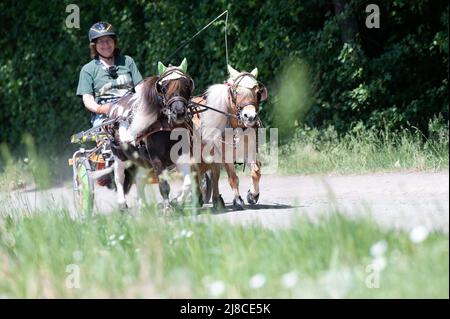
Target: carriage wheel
column 206, row 188
column 83, row 187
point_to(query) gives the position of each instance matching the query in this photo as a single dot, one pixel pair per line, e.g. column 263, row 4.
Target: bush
column 395, row 76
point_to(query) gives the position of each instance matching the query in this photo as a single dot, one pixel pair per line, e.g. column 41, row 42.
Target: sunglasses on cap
column 112, row 71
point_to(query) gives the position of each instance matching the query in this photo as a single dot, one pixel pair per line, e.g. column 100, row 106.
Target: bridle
column 261, row 94
column 166, row 103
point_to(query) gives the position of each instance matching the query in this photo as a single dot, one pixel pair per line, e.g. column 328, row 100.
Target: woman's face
column 105, row 46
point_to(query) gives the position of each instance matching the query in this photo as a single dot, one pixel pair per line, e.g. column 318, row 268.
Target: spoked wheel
column 205, row 187
column 83, row 186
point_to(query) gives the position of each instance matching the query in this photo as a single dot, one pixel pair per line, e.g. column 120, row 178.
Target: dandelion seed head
column 257, row 281
column 418, row 234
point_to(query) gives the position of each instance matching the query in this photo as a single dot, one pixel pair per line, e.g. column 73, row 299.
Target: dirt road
column 398, row 200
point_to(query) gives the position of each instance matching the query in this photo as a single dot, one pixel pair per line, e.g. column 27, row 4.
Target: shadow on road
column 229, row 208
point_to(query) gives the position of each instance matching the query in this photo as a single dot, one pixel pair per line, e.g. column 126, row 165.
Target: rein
column 203, row 29
column 232, row 94
column 212, row 109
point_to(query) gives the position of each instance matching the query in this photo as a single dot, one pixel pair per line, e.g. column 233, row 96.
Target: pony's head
column 246, row 94
column 175, row 88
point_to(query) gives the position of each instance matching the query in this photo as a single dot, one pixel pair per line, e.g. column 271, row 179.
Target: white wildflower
column 257, row 281
column 216, row 288
column 186, row 233
column 418, row 234
column 378, row 249
column 77, row 255
column 289, row 280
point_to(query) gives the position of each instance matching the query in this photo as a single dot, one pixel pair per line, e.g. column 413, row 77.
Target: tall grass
column 365, row 150
column 153, row 257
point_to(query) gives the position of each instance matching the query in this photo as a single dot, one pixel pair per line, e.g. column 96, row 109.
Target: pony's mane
column 217, row 97
column 147, row 97
column 213, row 123
column 146, row 106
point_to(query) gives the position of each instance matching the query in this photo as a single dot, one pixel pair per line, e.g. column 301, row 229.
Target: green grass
column 149, row 256
column 363, row 150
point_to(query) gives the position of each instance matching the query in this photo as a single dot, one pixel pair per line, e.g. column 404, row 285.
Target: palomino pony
column 142, row 138
column 233, row 104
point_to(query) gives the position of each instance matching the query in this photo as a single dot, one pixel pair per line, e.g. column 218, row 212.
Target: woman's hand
column 92, row 106
column 103, row 109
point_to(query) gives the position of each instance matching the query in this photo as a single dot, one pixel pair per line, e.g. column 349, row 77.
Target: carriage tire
column 83, row 187
column 206, row 187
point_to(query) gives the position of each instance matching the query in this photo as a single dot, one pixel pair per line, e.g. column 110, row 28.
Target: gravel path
column 395, row 200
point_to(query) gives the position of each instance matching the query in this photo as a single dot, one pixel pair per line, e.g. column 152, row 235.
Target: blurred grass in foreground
column 152, row 257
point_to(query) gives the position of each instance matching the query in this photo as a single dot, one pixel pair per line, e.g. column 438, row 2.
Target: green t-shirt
column 95, row 79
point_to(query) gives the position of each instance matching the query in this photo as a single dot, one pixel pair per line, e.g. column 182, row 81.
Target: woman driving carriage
column 108, row 76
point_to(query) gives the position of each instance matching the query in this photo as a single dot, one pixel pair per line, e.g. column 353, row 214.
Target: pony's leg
column 119, row 178
column 253, row 193
column 141, row 177
column 233, row 180
column 217, row 199
column 255, row 168
column 164, row 187
column 184, row 168
column 198, row 181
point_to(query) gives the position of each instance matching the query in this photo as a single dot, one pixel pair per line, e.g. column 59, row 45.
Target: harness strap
column 213, row 109
column 155, row 127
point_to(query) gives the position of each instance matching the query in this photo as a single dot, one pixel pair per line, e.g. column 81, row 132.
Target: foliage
column 364, row 149
column 395, row 76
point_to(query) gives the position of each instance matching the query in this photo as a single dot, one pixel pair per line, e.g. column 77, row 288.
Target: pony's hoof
column 123, row 207
column 218, row 203
column 252, row 199
column 169, row 211
column 199, row 202
column 238, row 203
column 177, row 205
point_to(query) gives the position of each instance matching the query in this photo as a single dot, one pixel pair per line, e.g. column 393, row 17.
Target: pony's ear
column 254, row 72
column 161, row 68
column 183, row 66
column 232, row 71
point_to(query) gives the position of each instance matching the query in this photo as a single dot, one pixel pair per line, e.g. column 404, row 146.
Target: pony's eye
column 259, row 93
